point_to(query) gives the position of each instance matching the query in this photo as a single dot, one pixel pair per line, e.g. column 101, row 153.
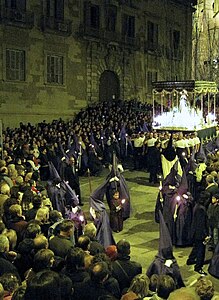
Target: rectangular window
column 55, row 9
column 152, row 34
column 111, row 15
column 95, row 16
column 176, row 39
column 55, row 69
column 128, row 26
column 16, row 4
column 15, row 64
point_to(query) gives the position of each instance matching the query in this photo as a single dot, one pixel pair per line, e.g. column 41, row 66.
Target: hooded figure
column 100, row 216
column 169, row 158
column 164, row 262
column 183, row 214
column 116, row 181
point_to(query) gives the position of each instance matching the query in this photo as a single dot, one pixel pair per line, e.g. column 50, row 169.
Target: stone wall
column 86, row 58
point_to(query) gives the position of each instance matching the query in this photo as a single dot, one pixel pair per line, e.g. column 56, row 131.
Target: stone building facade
column 206, row 41
column 57, row 56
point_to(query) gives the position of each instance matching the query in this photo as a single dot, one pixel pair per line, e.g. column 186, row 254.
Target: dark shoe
column 201, row 272
column 190, row 262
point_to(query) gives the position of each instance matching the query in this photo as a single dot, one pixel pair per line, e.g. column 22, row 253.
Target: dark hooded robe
column 104, row 231
column 164, row 262
column 116, row 181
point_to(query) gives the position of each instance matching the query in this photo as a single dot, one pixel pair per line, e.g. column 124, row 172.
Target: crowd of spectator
column 42, row 255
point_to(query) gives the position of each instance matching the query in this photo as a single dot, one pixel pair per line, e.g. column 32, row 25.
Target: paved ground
column 140, row 229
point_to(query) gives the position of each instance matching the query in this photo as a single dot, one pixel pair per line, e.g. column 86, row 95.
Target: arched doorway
column 109, row 86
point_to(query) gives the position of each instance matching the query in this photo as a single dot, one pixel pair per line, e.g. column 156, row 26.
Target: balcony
column 52, row 25
column 18, row 18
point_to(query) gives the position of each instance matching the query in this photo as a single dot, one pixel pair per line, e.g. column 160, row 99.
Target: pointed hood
column 201, row 156
column 165, row 244
column 183, row 186
column 71, row 197
column 171, row 177
column 104, row 231
column 169, row 153
column 63, row 153
column 53, row 173
column 122, row 133
column 192, row 165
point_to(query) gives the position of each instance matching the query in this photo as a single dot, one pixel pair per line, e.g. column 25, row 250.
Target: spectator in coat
column 124, row 270
column 71, row 176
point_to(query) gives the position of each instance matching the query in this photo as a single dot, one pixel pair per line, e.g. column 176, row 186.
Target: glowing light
column 123, row 201
column 81, row 218
column 177, row 198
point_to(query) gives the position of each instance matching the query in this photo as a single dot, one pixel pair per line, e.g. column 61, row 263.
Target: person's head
column 165, row 286
column 9, row 282
column 75, row 259
column 33, row 229
column 37, row 201
column 40, row 242
column 27, row 199
column 111, row 252
column 43, row 259
column 55, row 216
column 19, row 180
column 90, row 230
column 203, row 198
column 5, row 189
column 183, row 293
column 83, row 242
column 47, row 203
column 12, row 237
column 42, row 215
column 123, row 248
column 67, row 228
column 43, row 286
column 4, row 244
column 204, row 288
column 15, row 210
column 215, row 199
column 116, row 195
column 140, row 285
column 209, row 179
column 99, row 272
column 71, row 160
column 153, row 282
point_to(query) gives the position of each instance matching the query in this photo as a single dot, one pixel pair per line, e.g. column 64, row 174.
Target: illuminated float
column 186, row 106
